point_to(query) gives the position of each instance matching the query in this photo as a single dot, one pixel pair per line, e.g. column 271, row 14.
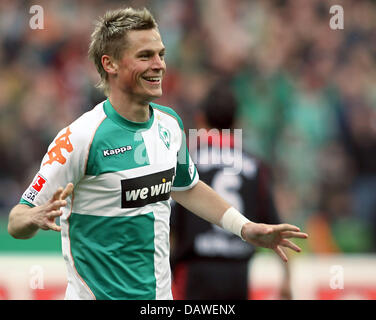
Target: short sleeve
column 186, row 175
column 61, row 165
column 186, row 172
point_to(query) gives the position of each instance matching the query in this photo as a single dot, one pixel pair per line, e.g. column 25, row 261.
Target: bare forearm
column 24, row 221
column 207, row 204
column 202, row 201
column 20, row 224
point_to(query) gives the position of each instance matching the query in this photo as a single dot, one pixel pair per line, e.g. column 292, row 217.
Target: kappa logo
column 120, row 150
column 138, row 192
column 61, row 142
column 165, row 135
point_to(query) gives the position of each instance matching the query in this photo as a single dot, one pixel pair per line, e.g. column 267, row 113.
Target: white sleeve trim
column 194, row 182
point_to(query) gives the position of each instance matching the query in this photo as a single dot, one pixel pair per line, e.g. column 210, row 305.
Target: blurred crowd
column 306, row 103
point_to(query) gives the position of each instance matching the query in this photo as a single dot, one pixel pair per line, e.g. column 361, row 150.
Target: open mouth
column 153, row 80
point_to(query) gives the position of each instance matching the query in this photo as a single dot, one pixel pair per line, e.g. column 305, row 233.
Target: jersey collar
column 125, row 123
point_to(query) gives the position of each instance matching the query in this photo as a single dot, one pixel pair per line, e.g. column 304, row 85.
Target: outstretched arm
column 207, row 204
column 203, row 201
column 272, row 236
column 24, row 221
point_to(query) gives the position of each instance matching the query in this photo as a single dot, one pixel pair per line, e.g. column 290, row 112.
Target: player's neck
column 131, row 109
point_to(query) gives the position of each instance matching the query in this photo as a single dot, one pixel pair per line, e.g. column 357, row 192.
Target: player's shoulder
column 89, row 119
column 168, row 112
column 81, row 130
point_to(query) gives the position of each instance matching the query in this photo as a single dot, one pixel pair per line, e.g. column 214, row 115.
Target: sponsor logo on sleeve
column 138, row 192
column 61, row 142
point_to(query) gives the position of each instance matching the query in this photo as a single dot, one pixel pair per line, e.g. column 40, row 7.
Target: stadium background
column 307, row 106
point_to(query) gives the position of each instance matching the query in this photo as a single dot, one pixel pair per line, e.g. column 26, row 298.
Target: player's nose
column 158, row 63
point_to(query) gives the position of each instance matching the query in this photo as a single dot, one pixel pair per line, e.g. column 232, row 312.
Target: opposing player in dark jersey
column 209, row 262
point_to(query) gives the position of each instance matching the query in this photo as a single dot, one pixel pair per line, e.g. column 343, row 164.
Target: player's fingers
column 53, row 226
column 292, row 234
column 54, row 214
column 281, row 253
column 288, row 244
column 57, row 204
column 57, row 194
column 67, row 191
column 286, row 227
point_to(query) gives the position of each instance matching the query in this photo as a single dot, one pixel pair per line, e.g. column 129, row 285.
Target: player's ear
column 109, row 64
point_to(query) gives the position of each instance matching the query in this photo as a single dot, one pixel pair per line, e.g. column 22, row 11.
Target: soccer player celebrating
column 109, row 176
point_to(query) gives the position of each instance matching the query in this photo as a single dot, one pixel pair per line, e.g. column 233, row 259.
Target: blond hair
column 109, row 36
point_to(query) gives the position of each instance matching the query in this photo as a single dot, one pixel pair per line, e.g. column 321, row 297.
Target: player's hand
column 273, row 236
column 44, row 216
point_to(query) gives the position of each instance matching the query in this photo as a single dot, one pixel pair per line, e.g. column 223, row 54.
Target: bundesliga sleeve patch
column 35, row 188
column 138, row 192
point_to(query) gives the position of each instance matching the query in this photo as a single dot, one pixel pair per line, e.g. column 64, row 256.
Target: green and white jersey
column 115, row 227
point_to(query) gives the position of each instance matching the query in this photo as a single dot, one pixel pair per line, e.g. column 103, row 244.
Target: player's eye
column 144, row 55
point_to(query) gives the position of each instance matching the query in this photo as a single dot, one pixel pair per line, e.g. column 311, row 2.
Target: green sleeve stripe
column 23, row 201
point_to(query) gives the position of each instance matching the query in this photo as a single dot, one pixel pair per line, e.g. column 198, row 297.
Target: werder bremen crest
column 165, row 135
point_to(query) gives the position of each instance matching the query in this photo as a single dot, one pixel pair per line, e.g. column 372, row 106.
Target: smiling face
column 141, row 68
